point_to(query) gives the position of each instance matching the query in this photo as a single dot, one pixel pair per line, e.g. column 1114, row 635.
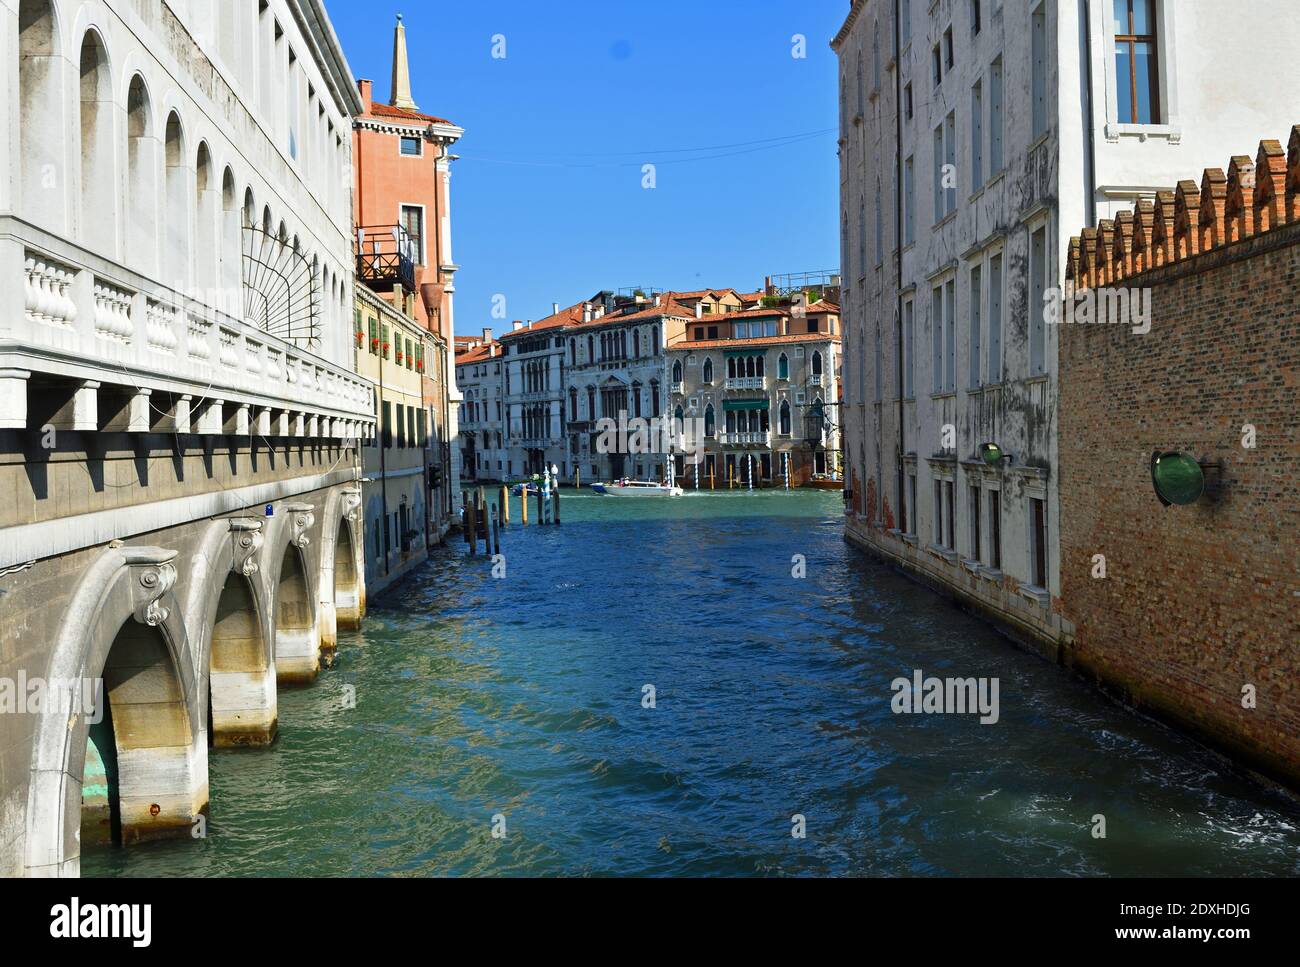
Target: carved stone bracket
column 302, row 518
column 352, row 504
column 153, row 576
column 246, row 542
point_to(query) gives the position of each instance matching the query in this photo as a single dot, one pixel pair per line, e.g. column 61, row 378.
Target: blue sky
column 547, row 201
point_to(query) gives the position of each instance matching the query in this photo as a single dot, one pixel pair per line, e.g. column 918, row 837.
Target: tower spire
column 401, row 70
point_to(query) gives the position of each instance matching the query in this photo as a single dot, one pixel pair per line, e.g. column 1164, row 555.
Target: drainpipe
column 898, row 229
column 1085, row 30
column 383, row 443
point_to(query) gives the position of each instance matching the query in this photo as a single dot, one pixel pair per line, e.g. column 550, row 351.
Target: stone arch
column 207, row 221
column 228, row 244
column 228, row 619
column 97, row 195
column 342, row 570
column 293, row 591
column 141, row 246
column 40, row 148
column 123, row 626
column 176, row 253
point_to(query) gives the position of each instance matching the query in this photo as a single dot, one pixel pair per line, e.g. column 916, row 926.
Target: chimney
column 367, row 89
column 586, row 312
column 401, row 70
column 487, row 336
column 555, row 308
column 518, row 324
column 699, row 310
column 600, row 311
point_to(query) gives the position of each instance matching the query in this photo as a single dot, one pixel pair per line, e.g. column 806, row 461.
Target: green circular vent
column 1177, row 477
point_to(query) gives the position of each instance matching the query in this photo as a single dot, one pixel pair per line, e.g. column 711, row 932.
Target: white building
column 482, row 442
column 179, row 415
column 971, row 132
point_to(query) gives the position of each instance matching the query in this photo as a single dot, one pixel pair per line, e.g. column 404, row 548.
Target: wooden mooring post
column 471, row 519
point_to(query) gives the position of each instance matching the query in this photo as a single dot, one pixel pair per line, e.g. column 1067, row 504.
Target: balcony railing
column 677, row 387
column 111, row 333
column 746, row 439
column 815, row 379
column 386, row 256
column 746, row 382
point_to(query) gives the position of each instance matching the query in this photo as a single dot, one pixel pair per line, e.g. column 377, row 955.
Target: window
column 936, row 314
column 948, row 58
column 909, row 349
column 977, row 135
column 950, row 160
column 875, row 57
column 707, row 371
column 994, row 368
column 909, row 506
column 880, row 366
column 950, row 520
column 939, row 202
column 862, row 236
column 1037, row 282
column 909, row 202
column 880, row 237
column 937, row 527
column 412, row 147
column 1038, row 68
column 974, row 509
column 907, row 101
column 413, row 222
column 1038, row 541
column 1137, row 83
column 995, row 529
column 784, row 423
column 905, row 17
column 976, row 301
column 995, row 117
column 936, row 66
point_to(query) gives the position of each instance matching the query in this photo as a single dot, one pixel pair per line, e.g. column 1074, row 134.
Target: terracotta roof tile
column 402, row 114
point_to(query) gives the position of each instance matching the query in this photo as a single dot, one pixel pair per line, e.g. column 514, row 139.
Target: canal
column 522, row 698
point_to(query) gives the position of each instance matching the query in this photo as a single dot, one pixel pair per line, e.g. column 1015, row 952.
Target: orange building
column 402, row 211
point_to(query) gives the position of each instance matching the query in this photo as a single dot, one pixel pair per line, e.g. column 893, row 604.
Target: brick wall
column 1202, row 600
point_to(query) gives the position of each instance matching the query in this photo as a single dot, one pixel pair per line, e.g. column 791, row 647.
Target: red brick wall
column 1198, row 601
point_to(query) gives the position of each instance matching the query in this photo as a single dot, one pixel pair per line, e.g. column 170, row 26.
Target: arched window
column 731, row 420
column 731, row 367
column 710, row 424
column 783, row 367
column 679, row 414
column 573, row 354
column 677, row 371
column 228, row 253
column 591, row 400
column 636, row 399
column 591, row 350
column 573, row 403
column 785, row 417
column 40, row 123
column 141, row 197
column 636, row 343
column 176, row 250
column 749, row 366
column 98, row 196
column 816, row 363
column 205, row 220
column 708, row 370
column 654, row 397
column 759, row 365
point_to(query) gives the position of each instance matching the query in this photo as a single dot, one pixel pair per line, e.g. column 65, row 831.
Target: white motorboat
column 636, row 488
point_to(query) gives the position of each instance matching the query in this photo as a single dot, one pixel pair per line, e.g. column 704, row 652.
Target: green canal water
column 522, row 698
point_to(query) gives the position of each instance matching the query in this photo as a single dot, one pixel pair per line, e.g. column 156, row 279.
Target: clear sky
column 548, row 203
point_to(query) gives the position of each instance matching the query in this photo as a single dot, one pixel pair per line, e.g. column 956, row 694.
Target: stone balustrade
column 87, row 321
